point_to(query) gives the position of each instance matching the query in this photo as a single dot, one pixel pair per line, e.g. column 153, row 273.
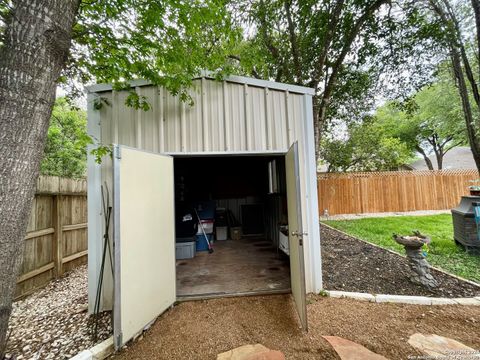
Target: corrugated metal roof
column 232, row 78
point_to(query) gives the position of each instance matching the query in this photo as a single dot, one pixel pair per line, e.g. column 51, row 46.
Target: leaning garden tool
column 210, row 248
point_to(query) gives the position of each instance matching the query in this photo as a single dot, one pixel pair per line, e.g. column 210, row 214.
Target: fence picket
column 392, row 191
column 55, row 222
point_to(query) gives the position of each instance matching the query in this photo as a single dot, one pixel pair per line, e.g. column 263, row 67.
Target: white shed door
column 295, row 235
column 144, row 240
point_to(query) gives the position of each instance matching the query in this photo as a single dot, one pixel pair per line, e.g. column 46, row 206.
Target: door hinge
column 119, row 340
column 116, row 152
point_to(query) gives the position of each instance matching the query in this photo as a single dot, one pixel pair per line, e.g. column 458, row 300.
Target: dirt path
column 201, row 330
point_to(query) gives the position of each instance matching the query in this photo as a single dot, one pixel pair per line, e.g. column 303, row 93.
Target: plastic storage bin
column 185, row 248
column 283, row 243
column 207, row 225
column 201, row 243
column 221, row 232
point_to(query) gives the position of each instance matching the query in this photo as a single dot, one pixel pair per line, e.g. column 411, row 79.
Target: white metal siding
column 237, row 115
column 225, row 116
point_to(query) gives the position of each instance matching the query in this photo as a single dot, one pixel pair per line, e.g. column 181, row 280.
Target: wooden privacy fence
column 56, row 239
column 392, row 191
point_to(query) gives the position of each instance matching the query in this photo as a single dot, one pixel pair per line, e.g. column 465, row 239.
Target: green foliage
column 323, row 293
column 368, row 147
column 430, row 121
column 65, row 149
column 137, row 101
column 5, row 6
column 165, row 42
column 99, row 101
column 443, row 252
column 342, row 49
column 101, row 151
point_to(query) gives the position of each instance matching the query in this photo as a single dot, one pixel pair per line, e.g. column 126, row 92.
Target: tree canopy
column 165, row 42
column 367, row 146
column 431, row 122
column 460, row 40
column 342, row 49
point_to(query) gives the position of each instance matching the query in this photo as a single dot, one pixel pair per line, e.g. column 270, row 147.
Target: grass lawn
column 443, row 252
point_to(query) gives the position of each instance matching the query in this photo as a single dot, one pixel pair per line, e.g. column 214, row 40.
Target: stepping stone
column 251, row 352
column 436, row 345
column 349, row 350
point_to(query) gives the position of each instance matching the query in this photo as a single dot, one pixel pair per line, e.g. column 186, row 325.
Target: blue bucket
column 201, row 243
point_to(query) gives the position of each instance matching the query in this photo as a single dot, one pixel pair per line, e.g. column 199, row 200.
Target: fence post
column 58, row 236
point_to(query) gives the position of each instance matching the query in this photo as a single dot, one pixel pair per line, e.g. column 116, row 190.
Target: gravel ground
column 53, row 322
column 384, row 214
column 350, row 264
column 203, row 329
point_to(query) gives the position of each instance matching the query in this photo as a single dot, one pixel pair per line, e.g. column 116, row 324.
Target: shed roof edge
column 232, row 78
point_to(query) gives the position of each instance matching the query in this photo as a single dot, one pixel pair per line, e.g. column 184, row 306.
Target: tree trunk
column 476, row 11
column 460, row 62
column 320, row 119
column 37, row 39
column 466, row 106
column 439, row 157
column 425, row 157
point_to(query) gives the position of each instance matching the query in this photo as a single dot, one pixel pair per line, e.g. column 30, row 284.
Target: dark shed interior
column 248, row 197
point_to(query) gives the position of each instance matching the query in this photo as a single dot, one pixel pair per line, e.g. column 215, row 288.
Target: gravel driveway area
column 349, row 264
column 53, row 323
column 203, row 329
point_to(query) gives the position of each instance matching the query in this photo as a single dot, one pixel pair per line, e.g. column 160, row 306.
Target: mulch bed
column 350, row 264
column 203, row 329
column 53, row 323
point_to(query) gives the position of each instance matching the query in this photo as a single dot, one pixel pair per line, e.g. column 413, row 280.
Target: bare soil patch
column 53, row 323
column 202, row 329
column 350, row 264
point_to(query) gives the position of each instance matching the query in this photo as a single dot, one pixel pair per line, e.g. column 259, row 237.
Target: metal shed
column 240, row 120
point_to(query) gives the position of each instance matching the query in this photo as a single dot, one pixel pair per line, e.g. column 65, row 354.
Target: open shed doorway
column 242, row 204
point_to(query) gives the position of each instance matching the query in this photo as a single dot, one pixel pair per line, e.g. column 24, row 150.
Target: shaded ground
column 53, row 322
column 202, row 329
column 353, row 265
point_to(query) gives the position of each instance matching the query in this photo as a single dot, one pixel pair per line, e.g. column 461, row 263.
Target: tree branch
column 476, row 11
column 293, row 42
column 331, row 27
column 456, row 32
column 346, row 48
column 425, row 157
column 253, row 71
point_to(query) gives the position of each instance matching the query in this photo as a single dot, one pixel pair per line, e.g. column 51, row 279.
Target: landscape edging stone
column 403, row 299
column 98, row 352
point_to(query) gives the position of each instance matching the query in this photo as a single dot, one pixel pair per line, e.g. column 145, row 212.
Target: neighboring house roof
column 458, row 158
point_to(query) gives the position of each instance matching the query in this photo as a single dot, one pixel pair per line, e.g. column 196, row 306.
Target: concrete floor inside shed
column 235, row 267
